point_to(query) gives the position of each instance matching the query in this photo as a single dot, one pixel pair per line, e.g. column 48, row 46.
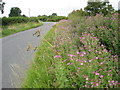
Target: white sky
column 47, row 7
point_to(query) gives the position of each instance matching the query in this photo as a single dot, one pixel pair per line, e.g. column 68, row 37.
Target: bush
column 104, row 28
column 14, row 20
column 51, row 18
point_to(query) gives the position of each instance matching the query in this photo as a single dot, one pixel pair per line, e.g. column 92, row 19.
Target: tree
column 78, row 13
column 97, row 6
column 15, row 12
column 54, row 14
column 24, row 15
column 2, row 7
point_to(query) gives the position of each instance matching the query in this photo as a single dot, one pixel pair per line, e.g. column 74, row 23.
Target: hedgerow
column 14, row 20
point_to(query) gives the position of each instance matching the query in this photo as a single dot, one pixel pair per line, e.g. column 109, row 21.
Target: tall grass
column 81, row 52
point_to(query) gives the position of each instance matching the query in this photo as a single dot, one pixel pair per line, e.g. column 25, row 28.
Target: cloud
column 41, row 7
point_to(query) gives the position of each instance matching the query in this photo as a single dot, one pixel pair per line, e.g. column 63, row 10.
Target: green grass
column 77, row 53
column 14, row 28
column 42, row 61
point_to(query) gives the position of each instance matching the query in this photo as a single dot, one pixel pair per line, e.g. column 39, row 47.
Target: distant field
column 14, row 28
column 13, row 25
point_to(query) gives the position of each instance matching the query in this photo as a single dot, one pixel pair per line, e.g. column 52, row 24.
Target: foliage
column 78, row 53
column 99, row 7
column 15, row 12
column 43, row 18
column 54, row 14
column 56, row 18
column 51, row 18
column 78, row 13
column 2, row 7
column 13, row 20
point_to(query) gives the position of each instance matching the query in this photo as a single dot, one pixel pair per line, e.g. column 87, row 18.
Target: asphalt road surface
column 17, row 54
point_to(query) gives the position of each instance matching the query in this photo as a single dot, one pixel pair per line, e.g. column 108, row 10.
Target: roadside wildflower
column 78, row 68
column 91, row 82
column 97, row 84
column 57, row 56
column 110, row 84
column 86, row 78
column 96, row 57
column 90, row 60
column 97, row 74
column 64, row 60
column 101, row 75
column 77, row 52
column 113, row 81
column 84, row 53
column 81, row 64
column 101, row 63
column 77, row 60
column 109, row 74
column 76, row 73
column 71, row 55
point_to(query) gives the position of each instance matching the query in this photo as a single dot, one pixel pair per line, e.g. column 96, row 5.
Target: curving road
column 15, row 57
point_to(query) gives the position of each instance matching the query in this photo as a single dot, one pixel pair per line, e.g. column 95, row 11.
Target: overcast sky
column 47, row 7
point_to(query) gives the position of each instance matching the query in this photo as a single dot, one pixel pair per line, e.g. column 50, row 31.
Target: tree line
column 96, row 7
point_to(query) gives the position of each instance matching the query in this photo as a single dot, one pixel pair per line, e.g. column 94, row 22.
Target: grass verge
column 41, row 63
column 11, row 29
column 77, row 53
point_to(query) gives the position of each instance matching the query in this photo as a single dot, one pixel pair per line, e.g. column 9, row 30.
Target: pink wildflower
column 77, row 60
column 101, row 63
column 113, row 81
column 57, row 56
column 90, row 60
column 78, row 68
column 68, row 63
column 91, row 82
column 110, row 84
column 76, row 73
column 71, row 73
column 97, row 84
column 78, row 52
column 84, row 53
column 64, row 60
column 81, row 63
column 71, row 55
column 83, row 37
column 86, row 78
column 109, row 74
column 96, row 57
column 101, row 75
column 97, row 74
column 92, row 86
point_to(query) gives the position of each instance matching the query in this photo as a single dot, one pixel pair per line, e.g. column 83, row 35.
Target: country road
column 15, row 57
